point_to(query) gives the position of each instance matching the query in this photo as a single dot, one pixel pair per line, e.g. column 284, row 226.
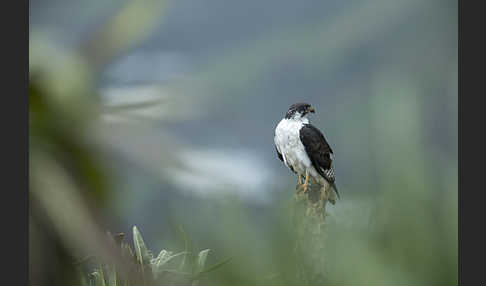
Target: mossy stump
column 309, row 215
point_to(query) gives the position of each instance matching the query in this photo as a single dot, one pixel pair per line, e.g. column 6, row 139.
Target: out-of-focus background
column 161, row 114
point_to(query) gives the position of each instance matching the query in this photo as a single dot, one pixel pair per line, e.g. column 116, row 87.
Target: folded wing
column 318, row 150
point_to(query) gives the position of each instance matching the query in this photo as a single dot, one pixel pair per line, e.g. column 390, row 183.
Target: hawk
column 305, row 151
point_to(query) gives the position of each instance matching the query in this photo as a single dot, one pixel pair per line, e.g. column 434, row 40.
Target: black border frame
column 471, row 65
column 15, row 117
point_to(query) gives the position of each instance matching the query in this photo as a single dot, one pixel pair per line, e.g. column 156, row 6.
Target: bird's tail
column 330, row 195
column 333, row 186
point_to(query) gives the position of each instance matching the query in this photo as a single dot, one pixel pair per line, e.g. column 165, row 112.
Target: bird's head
column 299, row 110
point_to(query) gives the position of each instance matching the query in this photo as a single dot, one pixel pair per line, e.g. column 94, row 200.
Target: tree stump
column 309, row 215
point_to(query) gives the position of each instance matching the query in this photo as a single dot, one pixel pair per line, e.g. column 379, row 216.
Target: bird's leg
column 306, row 182
column 299, row 183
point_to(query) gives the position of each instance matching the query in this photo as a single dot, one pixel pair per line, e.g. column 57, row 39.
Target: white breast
column 287, row 140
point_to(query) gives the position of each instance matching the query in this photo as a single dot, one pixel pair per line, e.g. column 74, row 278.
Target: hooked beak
column 311, row 110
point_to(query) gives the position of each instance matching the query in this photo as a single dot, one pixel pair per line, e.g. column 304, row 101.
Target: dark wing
column 318, row 150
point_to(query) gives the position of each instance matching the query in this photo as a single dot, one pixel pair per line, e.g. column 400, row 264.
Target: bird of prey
column 305, row 151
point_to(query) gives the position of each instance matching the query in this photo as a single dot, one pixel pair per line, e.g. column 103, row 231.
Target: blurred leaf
column 127, row 252
column 99, row 277
column 135, row 21
column 215, row 266
column 199, row 265
column 112, row 275
column 143, row 255
column 160, row 263
column 201, row 260
column 187, row 249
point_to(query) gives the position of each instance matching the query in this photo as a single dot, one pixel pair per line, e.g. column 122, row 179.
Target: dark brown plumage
column 319, row 152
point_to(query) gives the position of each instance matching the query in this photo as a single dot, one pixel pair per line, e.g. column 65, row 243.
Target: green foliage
column 143, row 255
column 167, row 268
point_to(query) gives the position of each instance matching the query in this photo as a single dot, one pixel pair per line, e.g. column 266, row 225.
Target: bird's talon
column 306, row 182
